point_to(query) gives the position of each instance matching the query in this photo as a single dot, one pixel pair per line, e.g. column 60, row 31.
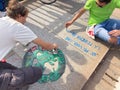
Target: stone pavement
column 83, row 54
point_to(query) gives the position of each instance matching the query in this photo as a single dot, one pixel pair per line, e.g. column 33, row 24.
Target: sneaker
column 90, row 32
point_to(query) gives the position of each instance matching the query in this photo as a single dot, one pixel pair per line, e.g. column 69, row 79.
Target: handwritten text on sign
column 86, row 43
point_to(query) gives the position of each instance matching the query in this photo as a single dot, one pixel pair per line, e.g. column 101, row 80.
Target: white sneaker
column 90, row 32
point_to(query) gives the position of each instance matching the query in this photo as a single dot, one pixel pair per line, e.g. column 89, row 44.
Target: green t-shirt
column 98, row 14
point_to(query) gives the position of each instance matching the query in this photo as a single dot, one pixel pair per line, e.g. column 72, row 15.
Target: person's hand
column 55, row 46
column 114, row 33
column 52, row 46
column 68, row 24
column 45, row 45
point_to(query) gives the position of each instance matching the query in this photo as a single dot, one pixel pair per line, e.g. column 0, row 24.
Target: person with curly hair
column 13, row 30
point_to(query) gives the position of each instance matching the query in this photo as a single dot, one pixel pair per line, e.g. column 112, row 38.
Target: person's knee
column 37, row 72
column 32, row 74
column 25, row 76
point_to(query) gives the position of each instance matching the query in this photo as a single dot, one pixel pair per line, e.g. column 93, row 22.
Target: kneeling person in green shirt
column 99, row 18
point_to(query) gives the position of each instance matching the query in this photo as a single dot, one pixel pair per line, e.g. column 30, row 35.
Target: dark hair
column 15, row 9
column 105, row 1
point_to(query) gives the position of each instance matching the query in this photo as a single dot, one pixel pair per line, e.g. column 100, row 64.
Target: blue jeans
column 101, row 30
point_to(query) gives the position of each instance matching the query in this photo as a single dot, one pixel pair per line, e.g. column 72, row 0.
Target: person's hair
column 105, row 1
column 15, row 9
